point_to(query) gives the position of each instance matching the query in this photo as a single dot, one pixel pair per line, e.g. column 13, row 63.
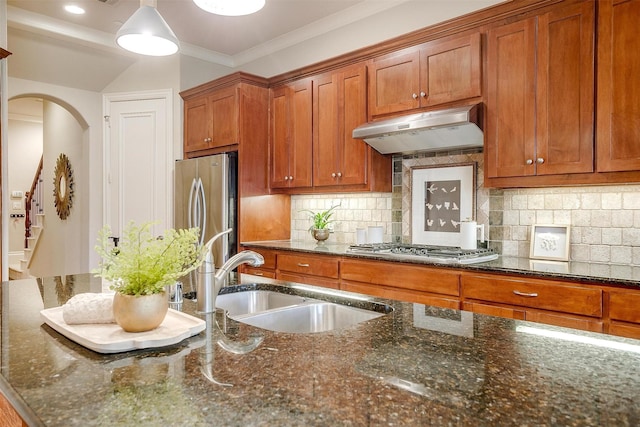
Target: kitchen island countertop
column 417, row 365
column 597, row 273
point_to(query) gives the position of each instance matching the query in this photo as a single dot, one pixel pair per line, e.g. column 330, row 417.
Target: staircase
column 33, row 227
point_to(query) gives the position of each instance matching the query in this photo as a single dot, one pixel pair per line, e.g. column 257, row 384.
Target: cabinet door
column 339, row 106
column 301, row 136
column 279, row 121
column 224, row 117
column 450, row 70
column 326, row 130
column 394, row 83
column 618, row 110
column 197, row 124
column 510, row 133
column 565, row 90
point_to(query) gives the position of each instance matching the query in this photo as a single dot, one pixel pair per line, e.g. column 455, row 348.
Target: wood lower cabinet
column 311, row 269
column 403, row 282
column 624, row 313
column 8, row 415
column 540, row 95
column 268, row 269
column 429, row 74
column 542, row 301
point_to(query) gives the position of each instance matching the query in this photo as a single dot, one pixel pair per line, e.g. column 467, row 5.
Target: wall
column 62, row 240
column 24, row 138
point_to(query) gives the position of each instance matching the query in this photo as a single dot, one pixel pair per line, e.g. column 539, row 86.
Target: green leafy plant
column 321, row 220
column 143, row 264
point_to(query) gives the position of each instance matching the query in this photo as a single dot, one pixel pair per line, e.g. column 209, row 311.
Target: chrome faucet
column 210, row 281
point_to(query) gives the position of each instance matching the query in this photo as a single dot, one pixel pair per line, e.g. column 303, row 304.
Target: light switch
column 17, row 206
column 17, row 194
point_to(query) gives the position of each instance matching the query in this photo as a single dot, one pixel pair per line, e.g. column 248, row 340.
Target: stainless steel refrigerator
column 206, row 196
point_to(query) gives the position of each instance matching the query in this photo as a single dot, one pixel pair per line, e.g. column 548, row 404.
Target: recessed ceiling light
column 72, row 8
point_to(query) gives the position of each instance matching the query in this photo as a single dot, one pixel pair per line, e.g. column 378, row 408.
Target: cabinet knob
column 415, row 96
column 339, row 174
column 539, row 160
column 290, row 178
column 422, row 94
column 333, row 175
column 529, row 161
column 286, row 178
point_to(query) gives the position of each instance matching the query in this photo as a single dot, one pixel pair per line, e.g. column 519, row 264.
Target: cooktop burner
column 440, row 254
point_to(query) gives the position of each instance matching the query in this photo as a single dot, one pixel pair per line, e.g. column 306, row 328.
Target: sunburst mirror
column 63, row 186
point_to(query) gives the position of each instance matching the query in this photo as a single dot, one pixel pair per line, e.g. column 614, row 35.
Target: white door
column 138, row 160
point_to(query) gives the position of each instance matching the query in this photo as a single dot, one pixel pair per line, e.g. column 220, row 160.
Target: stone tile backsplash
column 604, row 220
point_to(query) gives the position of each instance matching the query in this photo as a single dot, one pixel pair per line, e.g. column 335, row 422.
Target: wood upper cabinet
column 433, row 73
column 618, row 109
column 540, row 94
column 211, row 120
column 339, row 106
column 291, row 135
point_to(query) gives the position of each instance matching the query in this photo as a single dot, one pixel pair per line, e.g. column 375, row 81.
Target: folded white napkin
column 88, row 308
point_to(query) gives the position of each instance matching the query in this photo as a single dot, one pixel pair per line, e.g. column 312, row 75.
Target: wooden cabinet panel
column 624, row 305
column 339, row 106
column 566, row 321
column 309, row 280
column 432, row 73
column 291, row 135
column 394, row 82
column 624, row 330
column 510, row 107
column 8, row 415
column 565, row 90
column 261, row 272
column 450, row 70
column 401, row 294
column 618, row 110
column 540, row 95
column 494, row 310
column 224, row 117
column 197, row 124
column 308, row 265
column 540, row 294
column 404, row 276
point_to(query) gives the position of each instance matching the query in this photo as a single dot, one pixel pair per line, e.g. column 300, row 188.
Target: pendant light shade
column 230, row 7
column 147, row 33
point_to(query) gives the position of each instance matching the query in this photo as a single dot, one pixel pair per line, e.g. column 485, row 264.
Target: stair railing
column 33, row 203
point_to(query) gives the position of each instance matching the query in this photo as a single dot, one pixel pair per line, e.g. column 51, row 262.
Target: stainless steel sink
column 313, row 317
column 248, row 302
column 305, row 313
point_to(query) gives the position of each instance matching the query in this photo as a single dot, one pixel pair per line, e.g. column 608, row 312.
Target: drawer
column 623, row 305
column 268, row 255
column 309, row 280
column 397, row 294
column 541, row 294
column 404, row 276
column 270, row 274
column 308, row 265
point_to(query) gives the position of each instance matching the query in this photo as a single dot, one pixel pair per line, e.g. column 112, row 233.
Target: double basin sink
column 268, row 307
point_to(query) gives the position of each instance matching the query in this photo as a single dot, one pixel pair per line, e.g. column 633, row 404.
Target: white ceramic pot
column 140, row 313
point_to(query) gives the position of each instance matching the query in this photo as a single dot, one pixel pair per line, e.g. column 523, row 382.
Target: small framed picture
column 550, row 242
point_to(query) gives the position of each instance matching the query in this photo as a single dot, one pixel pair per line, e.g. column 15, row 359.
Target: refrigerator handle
column 201, row 210
column 190, row 205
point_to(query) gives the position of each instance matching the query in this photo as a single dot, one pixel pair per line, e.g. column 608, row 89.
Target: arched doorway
column 44, row 127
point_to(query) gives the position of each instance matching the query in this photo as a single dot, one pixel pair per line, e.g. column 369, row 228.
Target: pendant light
column 147, row 33
column 230, row 7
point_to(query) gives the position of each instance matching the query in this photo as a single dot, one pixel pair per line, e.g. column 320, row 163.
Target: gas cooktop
column 438, row 254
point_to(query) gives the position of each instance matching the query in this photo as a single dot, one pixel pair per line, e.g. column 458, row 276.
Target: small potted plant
column 140, row 268
column 320, row 223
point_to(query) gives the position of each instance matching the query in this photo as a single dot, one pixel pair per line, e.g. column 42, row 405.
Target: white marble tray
column 111, row 338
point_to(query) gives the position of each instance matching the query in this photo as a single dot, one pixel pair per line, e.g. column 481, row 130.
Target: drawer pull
column 257, row 273
column 526, row 294
column 302, row 265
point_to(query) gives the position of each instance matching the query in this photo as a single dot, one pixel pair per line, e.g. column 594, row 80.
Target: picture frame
column 550, row 242
column 441, row 197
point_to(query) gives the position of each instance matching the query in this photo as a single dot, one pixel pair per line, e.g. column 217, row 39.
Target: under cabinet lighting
column 566, row 336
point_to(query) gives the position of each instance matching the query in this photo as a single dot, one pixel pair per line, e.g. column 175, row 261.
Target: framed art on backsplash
column 550, row 242
column 441, row 197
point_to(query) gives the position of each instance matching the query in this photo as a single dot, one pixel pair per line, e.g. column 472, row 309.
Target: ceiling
column 217, row 38
column 79, row 51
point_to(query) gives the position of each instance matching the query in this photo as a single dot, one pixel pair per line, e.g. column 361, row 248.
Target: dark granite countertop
column 418, row 365
column 596, row 273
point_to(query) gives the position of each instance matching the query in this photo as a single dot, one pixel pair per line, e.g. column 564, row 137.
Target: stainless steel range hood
column 440, row 130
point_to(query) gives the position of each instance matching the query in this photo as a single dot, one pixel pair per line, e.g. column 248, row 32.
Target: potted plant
column 320, row 223
column 140, row 268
